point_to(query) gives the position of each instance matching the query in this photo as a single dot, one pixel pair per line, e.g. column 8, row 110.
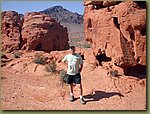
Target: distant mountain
column 63, row 15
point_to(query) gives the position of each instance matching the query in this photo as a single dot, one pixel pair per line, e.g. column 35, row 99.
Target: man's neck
column 73, row 53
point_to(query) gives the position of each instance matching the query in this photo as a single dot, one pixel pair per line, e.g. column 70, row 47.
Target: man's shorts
column 76, row 79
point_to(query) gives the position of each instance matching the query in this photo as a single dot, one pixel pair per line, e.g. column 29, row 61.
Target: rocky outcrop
column 41, row 32
column 117, row 31
column 4, row 59
column 34, row 31
column 100, row 4
column 10, row 31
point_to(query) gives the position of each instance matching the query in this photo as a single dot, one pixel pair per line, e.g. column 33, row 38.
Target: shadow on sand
column 100, row 95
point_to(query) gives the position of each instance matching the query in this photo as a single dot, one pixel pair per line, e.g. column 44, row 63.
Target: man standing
column 75, row 65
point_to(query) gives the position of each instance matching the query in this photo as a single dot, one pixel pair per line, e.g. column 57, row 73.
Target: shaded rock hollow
column 118, row 30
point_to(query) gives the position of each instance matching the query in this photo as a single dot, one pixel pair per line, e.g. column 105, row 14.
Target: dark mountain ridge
column 63, row 15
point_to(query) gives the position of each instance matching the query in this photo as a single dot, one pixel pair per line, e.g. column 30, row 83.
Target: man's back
column 74, row 60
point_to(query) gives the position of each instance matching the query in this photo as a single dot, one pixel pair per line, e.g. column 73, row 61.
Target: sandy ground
column 22, row 91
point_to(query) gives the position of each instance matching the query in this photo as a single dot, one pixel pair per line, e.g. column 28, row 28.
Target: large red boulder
column 41, row 32
column 118, row 30
column 10, row 31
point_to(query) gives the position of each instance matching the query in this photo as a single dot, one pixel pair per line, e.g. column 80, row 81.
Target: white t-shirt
column 73, row 63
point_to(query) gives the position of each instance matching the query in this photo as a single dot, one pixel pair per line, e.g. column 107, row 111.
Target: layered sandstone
column 41, row 32
column 35, row 31
column 118, row 31
column 10, row 31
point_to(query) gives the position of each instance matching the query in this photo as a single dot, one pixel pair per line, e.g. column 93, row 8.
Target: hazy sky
column 33, row 6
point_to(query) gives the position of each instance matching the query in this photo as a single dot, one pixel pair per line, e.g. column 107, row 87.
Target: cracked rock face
column 10, row 31
column 118, row 30
column 41, row 32
column 35, row 31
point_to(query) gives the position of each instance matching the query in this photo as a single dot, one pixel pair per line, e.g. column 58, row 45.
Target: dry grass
column 51, row 67
column 17, row 54
column 39, row 59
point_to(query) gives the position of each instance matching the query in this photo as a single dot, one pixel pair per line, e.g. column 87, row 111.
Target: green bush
column 39, row 59
column 114, row 73
column 63, row 76
column 87, row 45
column 17, row 54
column 51, row 67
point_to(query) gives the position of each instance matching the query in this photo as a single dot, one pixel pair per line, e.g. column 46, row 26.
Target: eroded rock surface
column 117, row 30
column 35, row 31
column 10, row 31
column 41, row 32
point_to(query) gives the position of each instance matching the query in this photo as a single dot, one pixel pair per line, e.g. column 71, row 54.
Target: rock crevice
column 115, row 30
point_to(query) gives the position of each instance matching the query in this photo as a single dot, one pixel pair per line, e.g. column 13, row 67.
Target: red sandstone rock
column 86, row 3
column 100, row 3
column 35, row 31
column 41, row 32
column 90, row 58
column 119, row 32
column 10, row 31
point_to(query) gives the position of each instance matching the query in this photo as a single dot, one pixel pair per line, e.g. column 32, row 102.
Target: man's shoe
column 71, row 98
column 82, row 101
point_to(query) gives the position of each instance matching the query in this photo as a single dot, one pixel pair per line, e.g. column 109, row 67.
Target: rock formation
column 117, row 32
column 10, row 31
column 41, row 32
column 35, row 31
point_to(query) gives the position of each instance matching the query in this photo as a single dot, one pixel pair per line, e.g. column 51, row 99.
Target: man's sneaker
column 71, row 98
column 82, row 101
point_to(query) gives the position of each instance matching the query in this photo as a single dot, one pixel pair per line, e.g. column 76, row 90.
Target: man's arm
column 81, row 66
column 81, row 63
column 64, row 60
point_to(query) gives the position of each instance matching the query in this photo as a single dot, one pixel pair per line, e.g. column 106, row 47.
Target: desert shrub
column 87, row 45
column 17, row 54
column 51, row 67
column 63, row 76
column 114, row 72
column 39, row 59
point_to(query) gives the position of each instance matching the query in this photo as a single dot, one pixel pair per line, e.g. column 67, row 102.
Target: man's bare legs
column 81, row 93
column 71, row 92
column 71, row 88
column 80, row 89
column 79, row 86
